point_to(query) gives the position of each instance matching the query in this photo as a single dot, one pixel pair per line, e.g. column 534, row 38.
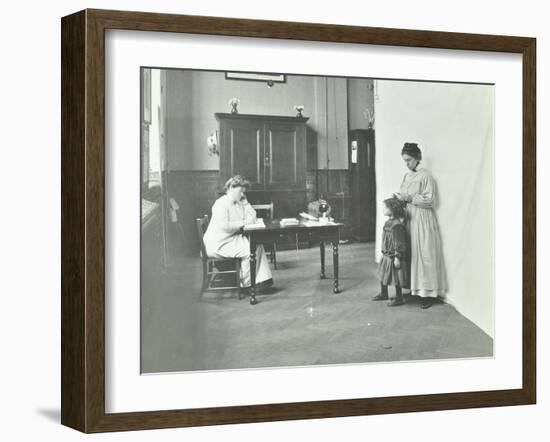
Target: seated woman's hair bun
column 413, row 150
column 236, row 181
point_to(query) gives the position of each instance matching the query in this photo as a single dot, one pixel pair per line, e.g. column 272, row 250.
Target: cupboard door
column 243, row 147
column 363, row 185
column 284, row 155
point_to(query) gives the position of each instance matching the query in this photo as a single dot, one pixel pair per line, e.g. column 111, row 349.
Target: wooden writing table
column 273, row 231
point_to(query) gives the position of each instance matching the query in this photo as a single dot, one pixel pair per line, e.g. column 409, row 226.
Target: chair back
column 264, row 207
column 202, row 224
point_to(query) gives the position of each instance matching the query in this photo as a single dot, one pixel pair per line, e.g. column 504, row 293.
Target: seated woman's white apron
column 224, row 240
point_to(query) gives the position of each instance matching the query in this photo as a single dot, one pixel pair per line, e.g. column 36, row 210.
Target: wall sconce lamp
column 212, row 143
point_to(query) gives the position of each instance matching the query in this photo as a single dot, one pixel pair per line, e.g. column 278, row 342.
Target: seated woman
column 224, row 236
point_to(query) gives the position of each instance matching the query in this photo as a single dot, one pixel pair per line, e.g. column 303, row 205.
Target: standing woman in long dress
column 224, row 237
column 428, row 278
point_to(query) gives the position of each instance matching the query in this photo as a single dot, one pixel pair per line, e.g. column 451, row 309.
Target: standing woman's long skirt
column 428, row 277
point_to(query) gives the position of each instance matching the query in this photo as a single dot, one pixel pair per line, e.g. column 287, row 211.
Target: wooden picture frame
column 83, row 220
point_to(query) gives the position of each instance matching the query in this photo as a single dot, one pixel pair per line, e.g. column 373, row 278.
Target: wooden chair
column 271, row 245
column 210, row 273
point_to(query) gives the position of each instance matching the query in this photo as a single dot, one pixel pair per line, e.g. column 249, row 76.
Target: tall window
column 150, row 129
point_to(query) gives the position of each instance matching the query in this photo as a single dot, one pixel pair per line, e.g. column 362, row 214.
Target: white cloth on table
column 428, row 277
column 224, row 240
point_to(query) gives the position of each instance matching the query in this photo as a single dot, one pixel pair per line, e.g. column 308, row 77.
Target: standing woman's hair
column 236, row 181
column 396, row 207
column 412, row 150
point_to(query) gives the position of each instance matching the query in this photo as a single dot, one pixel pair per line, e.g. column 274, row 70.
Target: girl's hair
column 413, row 150
column 396, row 207
column 236, row 181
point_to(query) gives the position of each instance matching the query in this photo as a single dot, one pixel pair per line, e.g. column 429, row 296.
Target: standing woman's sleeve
column 426, row 197
column 402, row 181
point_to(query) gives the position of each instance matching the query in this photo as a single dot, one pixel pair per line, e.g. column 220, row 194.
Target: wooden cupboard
column 270, row 152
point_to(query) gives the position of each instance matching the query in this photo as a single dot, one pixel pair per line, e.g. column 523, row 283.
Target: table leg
column 252, row 272
column 335, row 263
column 322, row 248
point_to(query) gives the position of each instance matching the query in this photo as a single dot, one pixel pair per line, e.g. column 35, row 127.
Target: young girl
column 393, row 267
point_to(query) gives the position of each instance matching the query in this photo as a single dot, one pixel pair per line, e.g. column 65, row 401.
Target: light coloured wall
column 453, row 125
column 193, row 97
column 180, row 127
column 330, row 121
column 361, row 99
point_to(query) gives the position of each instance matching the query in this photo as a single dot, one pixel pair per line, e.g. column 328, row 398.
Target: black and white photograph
column 303, row 220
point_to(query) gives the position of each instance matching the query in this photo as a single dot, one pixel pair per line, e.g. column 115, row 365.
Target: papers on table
column 259, row 224
column 289, row 222
column 308, row 216
column 311, row 223
column 317, row 223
